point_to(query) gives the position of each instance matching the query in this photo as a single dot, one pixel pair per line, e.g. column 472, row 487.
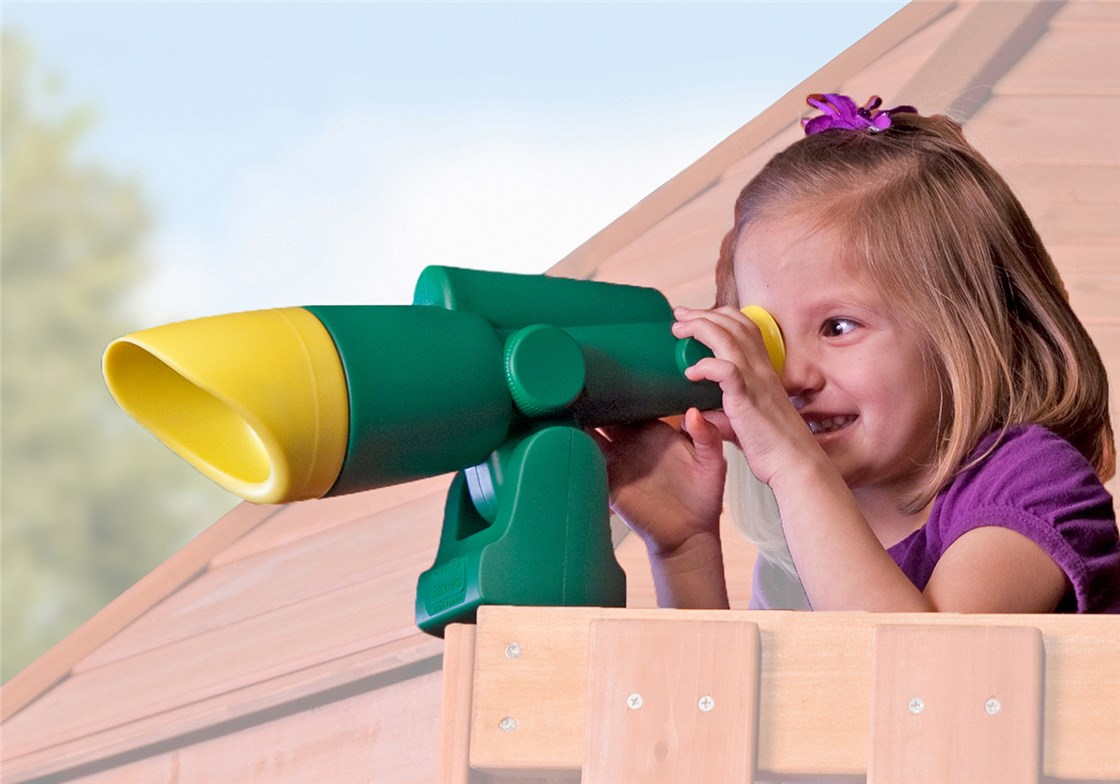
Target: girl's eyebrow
column 833, row 303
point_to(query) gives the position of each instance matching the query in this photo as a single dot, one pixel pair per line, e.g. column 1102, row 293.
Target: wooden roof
column 280, row 645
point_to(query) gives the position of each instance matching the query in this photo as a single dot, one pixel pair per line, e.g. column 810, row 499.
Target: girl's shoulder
column 1027, row 467
column 1019, row 441
column 1034, row 482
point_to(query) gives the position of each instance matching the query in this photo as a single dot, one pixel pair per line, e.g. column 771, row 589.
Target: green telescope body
column 493, row 376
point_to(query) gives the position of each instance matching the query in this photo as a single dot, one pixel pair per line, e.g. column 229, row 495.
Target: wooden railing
column 613, row 696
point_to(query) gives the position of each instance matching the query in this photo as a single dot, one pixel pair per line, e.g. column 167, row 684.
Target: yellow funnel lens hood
column 255, row 401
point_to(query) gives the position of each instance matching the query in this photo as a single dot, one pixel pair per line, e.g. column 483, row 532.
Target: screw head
column 992, row 706
column 917, row 705
column 706, row 703
column 634, row 701
column 508, row 724
column 513, row 650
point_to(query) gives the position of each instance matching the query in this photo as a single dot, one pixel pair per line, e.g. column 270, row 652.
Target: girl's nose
column 802, row 374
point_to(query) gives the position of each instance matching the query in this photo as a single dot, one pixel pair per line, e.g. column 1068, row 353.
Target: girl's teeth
column 828, row 425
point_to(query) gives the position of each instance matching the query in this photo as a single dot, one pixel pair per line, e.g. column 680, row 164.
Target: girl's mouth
column 829, row 424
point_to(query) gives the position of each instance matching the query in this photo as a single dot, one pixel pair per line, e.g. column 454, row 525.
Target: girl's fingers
column 706, row 437
column 730, row 318
column 729, row 334
column 685, row 312
column 722, row 423
column 719, row 371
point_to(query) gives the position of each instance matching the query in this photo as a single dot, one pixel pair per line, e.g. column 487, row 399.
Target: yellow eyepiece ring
column 771, row 335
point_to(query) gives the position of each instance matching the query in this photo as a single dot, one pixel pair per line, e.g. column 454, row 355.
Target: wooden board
column 956, row 703
column 815, row 689
column 456, row 696
column 386, row 735
column 1067, row 62
column 307, row 518
column 670, row 701
column 220, row 662
column 230, row 712
column 387, row 541
column 180, row 569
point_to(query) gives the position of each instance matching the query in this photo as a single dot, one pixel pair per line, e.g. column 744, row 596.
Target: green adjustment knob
column 689, row 352
column 544, row 369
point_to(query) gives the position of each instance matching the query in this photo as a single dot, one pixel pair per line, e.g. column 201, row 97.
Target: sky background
column 323, row 153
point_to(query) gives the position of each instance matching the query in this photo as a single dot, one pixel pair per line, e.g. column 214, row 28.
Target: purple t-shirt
column 1037, row 484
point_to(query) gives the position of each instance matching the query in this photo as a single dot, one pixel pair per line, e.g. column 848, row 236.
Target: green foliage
column 90, row 503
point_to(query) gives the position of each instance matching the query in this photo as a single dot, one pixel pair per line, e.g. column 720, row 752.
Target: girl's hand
column 756, row 407
column 667, row 486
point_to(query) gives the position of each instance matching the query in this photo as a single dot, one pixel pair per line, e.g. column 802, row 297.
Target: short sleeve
column 1037, row 484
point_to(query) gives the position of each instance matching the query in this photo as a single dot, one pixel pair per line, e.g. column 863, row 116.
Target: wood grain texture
column 1067, row 62
column 54, row 665
column 670, row 701
column 958, row 76
column 956, row 703
column 814, row 695
column 384, row 736
column 401, row 539
column 269, row 605
column 220, row 662
column 1092, row 15
column 456, row 704
column 1043, row 129
column 230, row 713
column 308, row 518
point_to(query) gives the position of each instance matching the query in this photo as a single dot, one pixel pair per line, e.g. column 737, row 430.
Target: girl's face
column 861, row 382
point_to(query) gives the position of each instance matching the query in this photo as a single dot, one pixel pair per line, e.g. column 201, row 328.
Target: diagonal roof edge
column 266, row 701
column 959, row 77
column 984, row 64
column 182, row 567
column 56, row 664
column 583, row 261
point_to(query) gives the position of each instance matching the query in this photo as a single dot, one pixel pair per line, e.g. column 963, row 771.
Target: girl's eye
column 837, row 327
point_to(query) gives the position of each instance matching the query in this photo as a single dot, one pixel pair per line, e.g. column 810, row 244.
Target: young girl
column 939, row 434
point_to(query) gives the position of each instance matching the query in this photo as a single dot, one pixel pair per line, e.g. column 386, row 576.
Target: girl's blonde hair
column 948, row 243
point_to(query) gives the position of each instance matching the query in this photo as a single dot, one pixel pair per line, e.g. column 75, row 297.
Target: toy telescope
column 489, row 375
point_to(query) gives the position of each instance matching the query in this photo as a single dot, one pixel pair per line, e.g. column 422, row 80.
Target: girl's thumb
column 706, row 437
column 720, row 421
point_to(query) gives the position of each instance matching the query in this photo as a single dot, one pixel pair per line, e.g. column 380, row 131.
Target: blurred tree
column 86, row 509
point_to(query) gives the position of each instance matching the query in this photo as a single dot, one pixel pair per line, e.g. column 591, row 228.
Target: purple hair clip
column 840, row 111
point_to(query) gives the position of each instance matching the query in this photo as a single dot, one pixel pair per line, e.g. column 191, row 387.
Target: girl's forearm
column 841, row 563
column 691, row 576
